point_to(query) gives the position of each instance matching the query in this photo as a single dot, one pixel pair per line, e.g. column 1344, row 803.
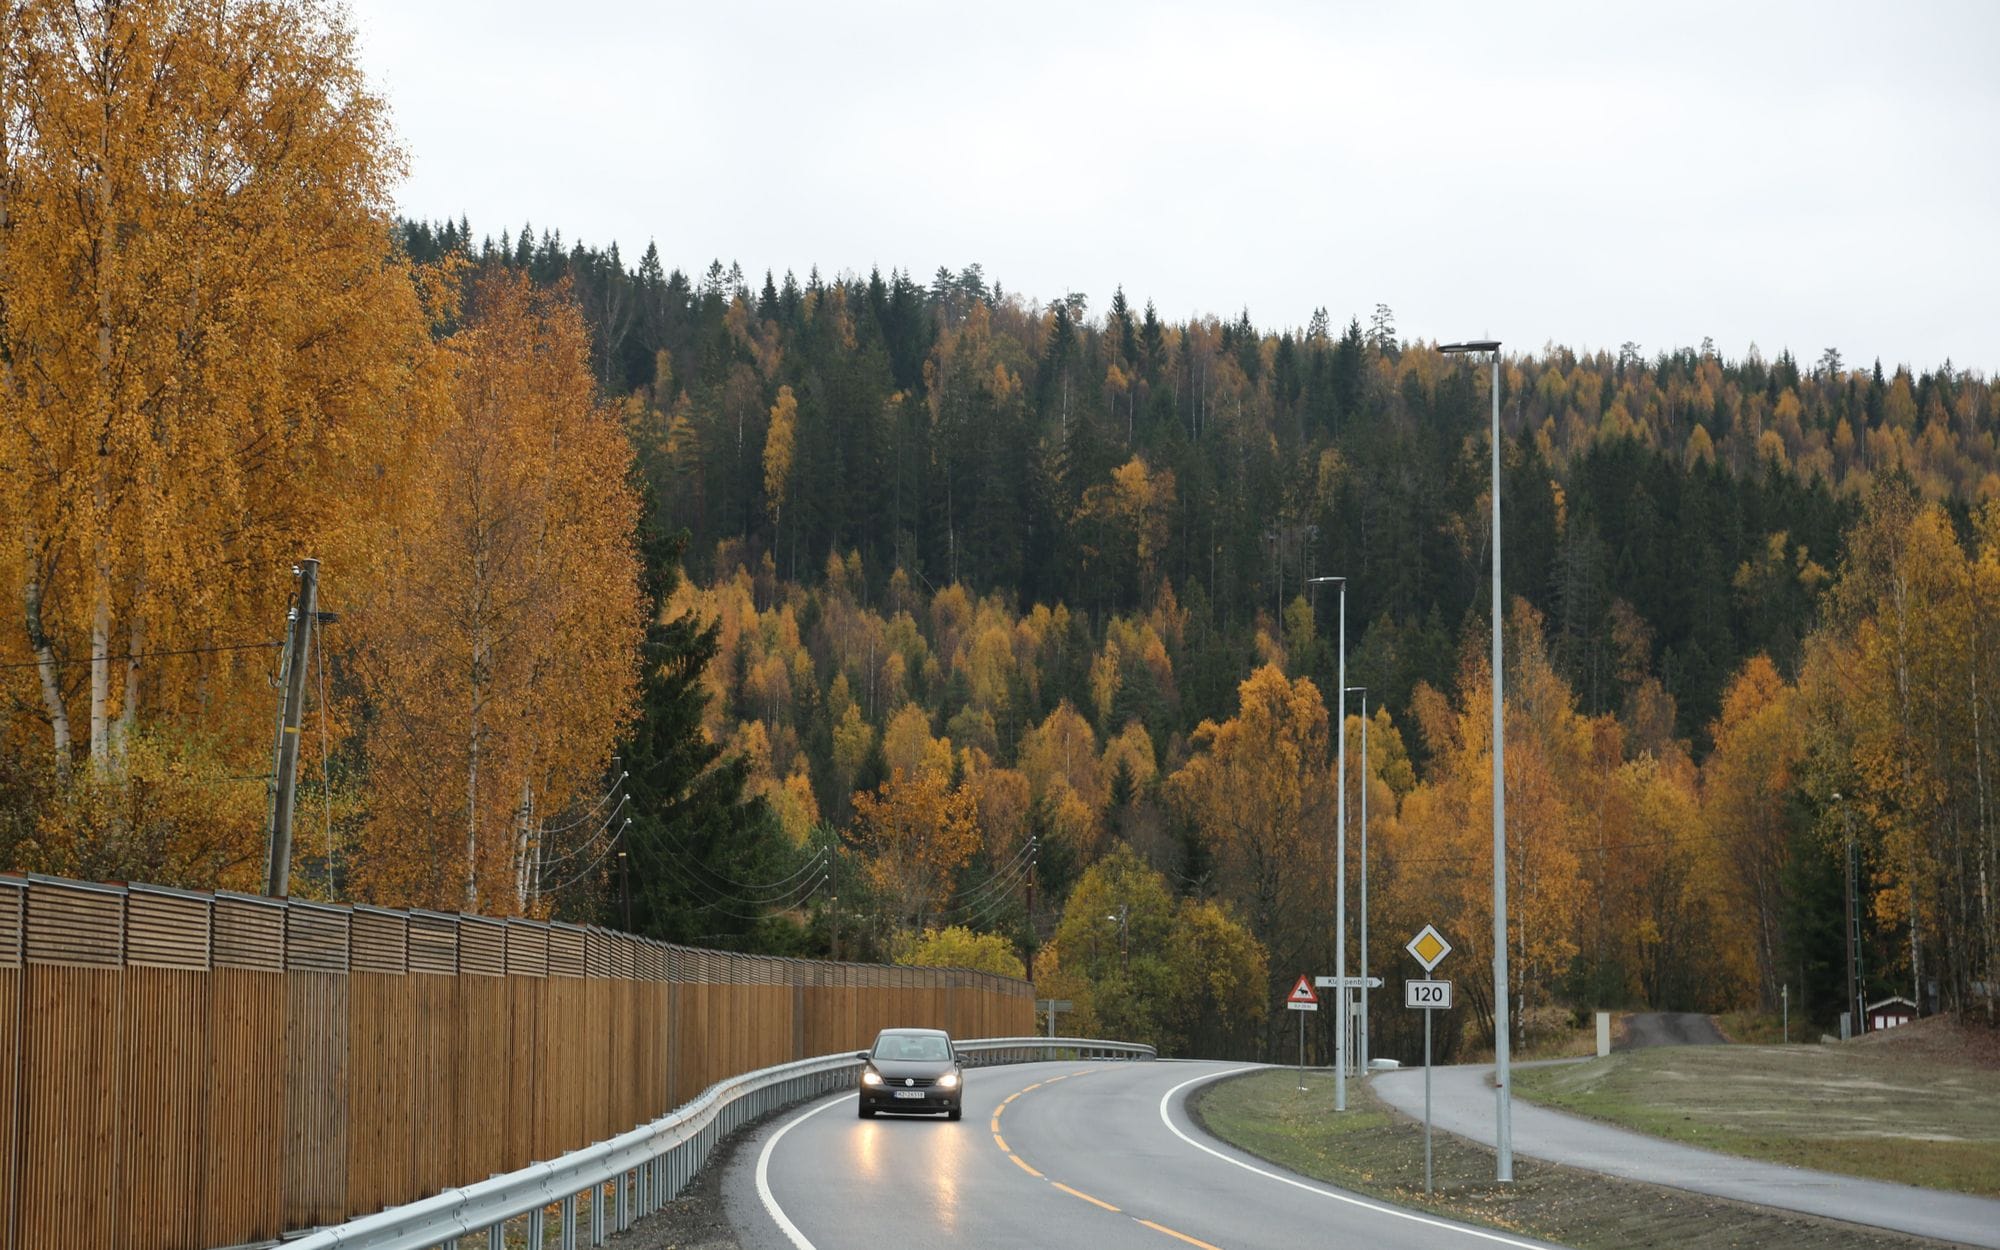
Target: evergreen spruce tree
column 702, row 853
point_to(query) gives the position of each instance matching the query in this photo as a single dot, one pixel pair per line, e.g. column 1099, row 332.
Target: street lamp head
column 1314, row 581
column 1472, row 345
column 1357, row 690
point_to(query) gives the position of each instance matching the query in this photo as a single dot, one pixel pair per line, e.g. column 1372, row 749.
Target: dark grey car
column 913, row 1070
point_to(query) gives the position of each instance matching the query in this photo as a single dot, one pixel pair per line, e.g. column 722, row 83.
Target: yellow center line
column 1027, row 1167
column 1162, row 1228
column 1078, row 1193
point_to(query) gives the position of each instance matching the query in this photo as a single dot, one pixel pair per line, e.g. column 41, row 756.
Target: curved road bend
column 1462, row 1102
column 1101, row 1156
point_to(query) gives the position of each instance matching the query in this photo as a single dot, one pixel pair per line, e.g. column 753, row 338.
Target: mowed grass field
column 1919, row 1104
column 1370, row 1149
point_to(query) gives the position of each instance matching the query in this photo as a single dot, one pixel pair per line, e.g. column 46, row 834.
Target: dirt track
column 1669, row 1028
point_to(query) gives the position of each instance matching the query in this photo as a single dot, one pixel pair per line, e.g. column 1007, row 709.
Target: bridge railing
column 582, row 1197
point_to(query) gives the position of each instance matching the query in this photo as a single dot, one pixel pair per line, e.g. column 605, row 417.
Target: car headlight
column 871, row 1077
column 948, row 1081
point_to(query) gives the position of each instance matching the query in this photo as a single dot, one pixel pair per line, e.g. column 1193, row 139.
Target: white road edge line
column 1398, row 1212
column 790, row 1229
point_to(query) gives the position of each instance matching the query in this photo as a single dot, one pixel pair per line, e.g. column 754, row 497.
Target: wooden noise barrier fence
column 182, row 1070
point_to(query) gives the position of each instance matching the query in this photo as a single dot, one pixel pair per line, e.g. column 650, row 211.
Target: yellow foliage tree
column 916, row 831
column 501, row 653
column 959, row 947
column 778, row 442
column 206, row 347
column 1260, row 789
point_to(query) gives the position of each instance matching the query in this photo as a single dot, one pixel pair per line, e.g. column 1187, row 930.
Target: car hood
column 897, row 1069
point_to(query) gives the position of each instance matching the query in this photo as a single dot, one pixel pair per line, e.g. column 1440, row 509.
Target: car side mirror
column 862, row 1054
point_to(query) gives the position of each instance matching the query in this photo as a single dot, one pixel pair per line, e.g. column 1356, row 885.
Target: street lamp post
column 1340, row 863
column 1124, row 939
column 1503, row 1128
column 1363, row 692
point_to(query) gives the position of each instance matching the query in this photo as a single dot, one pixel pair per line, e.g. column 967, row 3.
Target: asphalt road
column 1669, row 1028
column 1101, row 1156
column 1462, row 1102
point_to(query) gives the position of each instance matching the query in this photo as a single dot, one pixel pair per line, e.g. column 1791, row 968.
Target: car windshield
column 913, row 1048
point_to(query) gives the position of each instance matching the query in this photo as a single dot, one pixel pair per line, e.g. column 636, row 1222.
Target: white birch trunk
column 45, row 660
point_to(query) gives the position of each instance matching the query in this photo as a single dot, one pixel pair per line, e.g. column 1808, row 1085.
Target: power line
column 1486, row 856
column 723, row 882
column 580, row 848
column 1000, row 878
column 983, row 912
column 55, row 662
column 708, row 901
column 1001, row 892
column 588, row 868
column 604, row 798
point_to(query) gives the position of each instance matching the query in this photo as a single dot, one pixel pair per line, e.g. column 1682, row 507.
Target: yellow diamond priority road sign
column 1429, row 947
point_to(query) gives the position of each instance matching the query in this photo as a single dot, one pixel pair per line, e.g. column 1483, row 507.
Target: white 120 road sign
column 1427, row 995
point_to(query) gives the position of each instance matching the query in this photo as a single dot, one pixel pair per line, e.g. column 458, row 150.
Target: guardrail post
column 535, row 1220
column 597, row 1229
column 566, row 1220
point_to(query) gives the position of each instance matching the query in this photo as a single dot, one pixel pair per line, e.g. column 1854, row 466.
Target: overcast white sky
column 1804, row 175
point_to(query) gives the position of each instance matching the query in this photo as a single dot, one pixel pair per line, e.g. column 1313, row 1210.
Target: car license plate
column 909, row 1093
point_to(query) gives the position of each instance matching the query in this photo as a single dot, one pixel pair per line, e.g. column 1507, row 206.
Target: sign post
column 1348, row 1020
column 1429, row 949
column 1302, row 999
column 1052, row 1006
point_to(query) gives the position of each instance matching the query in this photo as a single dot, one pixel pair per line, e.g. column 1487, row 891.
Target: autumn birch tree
column 501, row 656
column 204, row 337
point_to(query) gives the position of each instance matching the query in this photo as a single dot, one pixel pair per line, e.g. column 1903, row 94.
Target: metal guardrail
column 605, row 1187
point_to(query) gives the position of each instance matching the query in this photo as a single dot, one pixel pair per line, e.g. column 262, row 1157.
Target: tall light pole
column 1503, row 1127
column 1363, row 692
column 1340, row 864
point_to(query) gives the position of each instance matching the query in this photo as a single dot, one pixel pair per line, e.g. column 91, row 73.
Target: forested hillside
column 935, row 622
column 997, row 581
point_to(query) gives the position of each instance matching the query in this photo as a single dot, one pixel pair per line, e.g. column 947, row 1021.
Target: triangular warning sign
column 1302, row 992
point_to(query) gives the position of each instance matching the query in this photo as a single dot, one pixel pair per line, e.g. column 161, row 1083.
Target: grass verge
column 1922, row 1108
column 1372, row 1150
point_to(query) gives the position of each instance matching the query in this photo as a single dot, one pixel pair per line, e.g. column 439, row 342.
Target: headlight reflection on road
column 868, row 1149
column 947, row 1150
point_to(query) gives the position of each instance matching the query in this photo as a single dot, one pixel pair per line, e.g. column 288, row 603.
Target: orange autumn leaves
column 214, row 361
column 502, row 647
column 206, row 343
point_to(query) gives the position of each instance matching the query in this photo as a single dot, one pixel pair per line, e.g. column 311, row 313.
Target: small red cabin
column 1890, row 1012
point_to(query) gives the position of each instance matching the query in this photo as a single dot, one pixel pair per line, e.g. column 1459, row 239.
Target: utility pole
column 285, row 767
column 1852, row 926
column 1031, row 920
column 625, row 875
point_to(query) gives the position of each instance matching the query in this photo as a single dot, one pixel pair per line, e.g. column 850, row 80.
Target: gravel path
column 1464, row 1104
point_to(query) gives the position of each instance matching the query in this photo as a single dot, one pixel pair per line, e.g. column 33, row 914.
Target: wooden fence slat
column 235, row 1067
